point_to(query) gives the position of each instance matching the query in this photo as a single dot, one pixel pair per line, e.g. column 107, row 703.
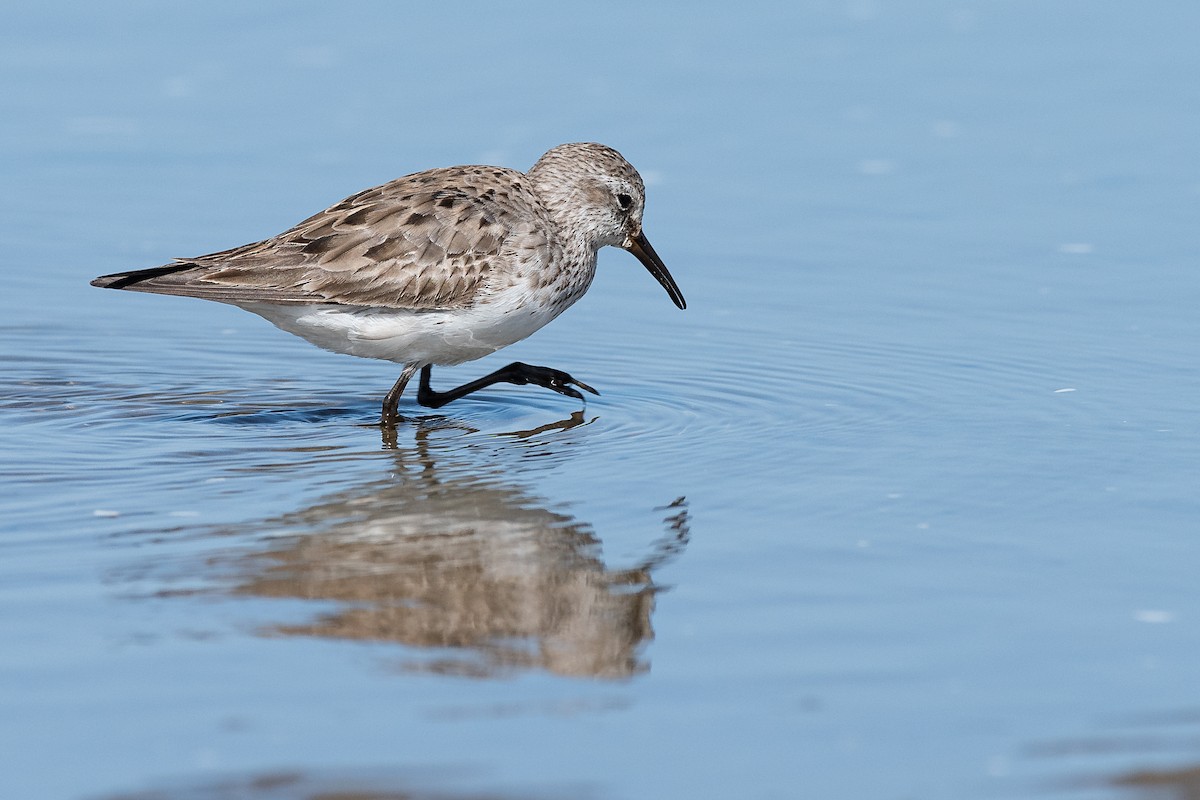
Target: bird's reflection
column 1162, row 742
column 456, row 559
column 391, row 438
column 362, row 784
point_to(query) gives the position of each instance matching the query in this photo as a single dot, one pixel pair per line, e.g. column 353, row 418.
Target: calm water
column 905, row 505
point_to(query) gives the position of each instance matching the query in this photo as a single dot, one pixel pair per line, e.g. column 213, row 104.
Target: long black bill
column 650, row 260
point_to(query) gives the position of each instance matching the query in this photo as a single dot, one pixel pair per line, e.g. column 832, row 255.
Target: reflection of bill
column 469, row 564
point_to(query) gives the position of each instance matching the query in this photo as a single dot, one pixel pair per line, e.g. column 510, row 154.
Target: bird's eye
column 624, row 201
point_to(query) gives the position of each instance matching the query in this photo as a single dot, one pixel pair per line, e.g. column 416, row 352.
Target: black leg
column 516, row 372
column 391, row 402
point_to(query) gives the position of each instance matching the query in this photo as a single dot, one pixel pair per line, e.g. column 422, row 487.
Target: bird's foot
column 390, row 415
column 546, row 377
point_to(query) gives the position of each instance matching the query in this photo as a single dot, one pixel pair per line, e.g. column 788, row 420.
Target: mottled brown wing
column 436, row 239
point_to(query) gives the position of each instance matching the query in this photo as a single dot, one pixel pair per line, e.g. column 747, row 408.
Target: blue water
column 903, row 505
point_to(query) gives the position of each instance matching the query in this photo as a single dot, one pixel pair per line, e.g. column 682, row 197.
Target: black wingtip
column 123, row 280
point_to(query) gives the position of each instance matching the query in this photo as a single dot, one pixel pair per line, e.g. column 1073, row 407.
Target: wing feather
column 437, row 239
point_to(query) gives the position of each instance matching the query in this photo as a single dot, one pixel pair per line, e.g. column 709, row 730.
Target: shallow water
column 903, row 505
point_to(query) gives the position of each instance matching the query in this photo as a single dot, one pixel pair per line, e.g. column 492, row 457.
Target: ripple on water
column 732, row 383
column 731, row 379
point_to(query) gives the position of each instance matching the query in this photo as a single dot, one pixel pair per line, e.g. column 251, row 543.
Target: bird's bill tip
column 641, row 249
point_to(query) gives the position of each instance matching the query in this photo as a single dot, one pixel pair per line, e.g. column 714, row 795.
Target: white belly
column 411, row 337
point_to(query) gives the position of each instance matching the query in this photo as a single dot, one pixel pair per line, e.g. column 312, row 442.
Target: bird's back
column 440, row 239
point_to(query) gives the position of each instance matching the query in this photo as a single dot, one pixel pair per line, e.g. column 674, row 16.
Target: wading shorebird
column 439, row 267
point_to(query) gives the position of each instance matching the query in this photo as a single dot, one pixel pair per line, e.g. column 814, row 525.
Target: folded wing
column 434, row 240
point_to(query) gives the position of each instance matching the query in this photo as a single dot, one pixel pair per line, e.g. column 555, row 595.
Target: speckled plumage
column 438, row 267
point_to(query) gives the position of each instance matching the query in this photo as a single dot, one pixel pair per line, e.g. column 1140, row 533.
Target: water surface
column 903, row 505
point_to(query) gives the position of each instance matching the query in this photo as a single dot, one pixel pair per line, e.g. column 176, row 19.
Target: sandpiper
column 439, row 267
